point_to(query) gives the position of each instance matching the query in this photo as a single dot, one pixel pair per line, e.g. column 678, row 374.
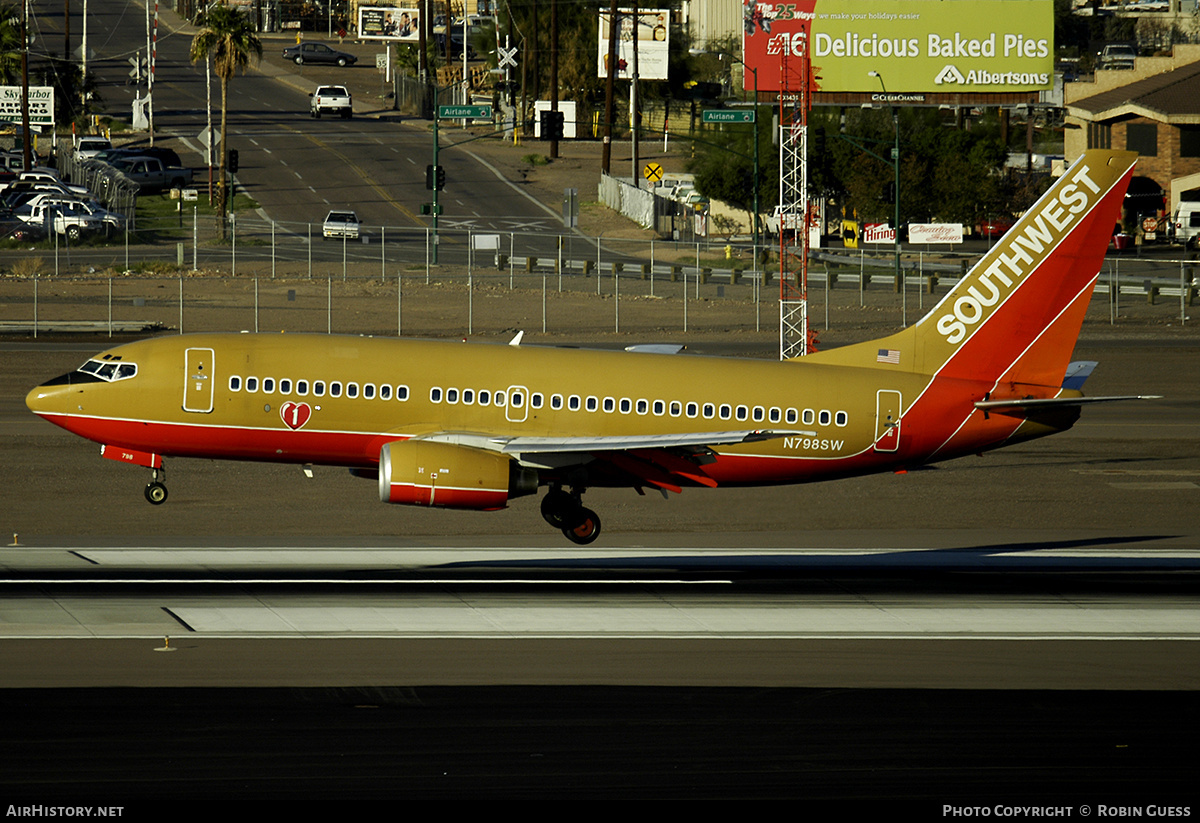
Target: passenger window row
column 513, row 397
column 642, row 406
column 317, row 388
column 516, row 398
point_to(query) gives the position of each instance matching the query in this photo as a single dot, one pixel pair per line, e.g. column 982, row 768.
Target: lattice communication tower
column 795, row 102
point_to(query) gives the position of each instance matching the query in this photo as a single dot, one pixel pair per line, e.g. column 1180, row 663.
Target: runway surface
column 1014, row 629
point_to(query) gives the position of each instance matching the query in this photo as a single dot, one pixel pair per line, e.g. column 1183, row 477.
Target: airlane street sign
column 727, row 116
column 464, row 112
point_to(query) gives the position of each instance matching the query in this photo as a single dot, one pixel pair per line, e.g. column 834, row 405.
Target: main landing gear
column 565, row 510
column 156, row 490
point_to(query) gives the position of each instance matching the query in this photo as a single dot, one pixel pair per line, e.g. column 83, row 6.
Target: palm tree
column 228, row 37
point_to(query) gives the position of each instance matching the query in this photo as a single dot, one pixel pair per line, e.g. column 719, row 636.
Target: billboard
column 895, row 48
column 386, row 23
column 41, row 105
column 652, row 44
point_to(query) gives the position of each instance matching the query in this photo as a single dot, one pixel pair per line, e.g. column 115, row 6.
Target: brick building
column 1153, row 110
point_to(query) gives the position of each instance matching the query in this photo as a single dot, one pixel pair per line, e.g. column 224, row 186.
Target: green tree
column 10, row 44
column 724, row 166
column 227, row 36
column 75, row 95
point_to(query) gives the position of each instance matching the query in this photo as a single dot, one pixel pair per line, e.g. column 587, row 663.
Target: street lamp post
column 754, row 72
column 896, row 197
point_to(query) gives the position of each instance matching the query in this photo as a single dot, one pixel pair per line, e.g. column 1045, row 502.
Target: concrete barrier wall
column 635, row 203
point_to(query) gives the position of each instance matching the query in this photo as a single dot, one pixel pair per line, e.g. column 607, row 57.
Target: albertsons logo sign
column 915, row 46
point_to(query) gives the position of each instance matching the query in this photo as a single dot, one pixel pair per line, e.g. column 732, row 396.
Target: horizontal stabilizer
column 1077, row 373
column 1050, row 402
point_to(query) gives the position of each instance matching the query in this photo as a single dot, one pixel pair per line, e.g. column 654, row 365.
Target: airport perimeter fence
column 272, row 275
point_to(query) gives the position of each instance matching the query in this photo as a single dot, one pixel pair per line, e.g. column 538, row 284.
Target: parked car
column 20, row 191
column 994, row 227
column 51, row 176
column 89, row 147
column 332, row 100
column 152, row 173
column 14, row 228
column 456, row 44
column 1186, row 223
column 302, row 53
column 169, row 157
column 342, row 224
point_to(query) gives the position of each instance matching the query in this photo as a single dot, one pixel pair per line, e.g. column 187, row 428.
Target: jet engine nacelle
column 425, row 473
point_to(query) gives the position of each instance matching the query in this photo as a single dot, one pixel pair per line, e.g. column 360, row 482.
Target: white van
column 1186, row 223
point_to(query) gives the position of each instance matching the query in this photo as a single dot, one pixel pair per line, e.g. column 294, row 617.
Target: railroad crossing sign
column 506, row 57
column 464, row 112
column 727, row 116
column 140, row 65
column 653, row 172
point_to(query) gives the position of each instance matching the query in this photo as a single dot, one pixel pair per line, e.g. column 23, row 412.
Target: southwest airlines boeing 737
column 473, row 426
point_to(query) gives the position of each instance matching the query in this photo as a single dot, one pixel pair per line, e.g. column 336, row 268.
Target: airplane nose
column 53, row 395
column 40, row 400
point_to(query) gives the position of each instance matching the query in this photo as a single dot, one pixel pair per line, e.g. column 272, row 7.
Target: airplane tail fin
column 1015, row 317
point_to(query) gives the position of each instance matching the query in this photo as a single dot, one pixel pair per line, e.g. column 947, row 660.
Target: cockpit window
column 110, row 370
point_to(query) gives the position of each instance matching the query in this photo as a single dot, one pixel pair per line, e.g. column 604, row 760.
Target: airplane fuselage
column 337, row 400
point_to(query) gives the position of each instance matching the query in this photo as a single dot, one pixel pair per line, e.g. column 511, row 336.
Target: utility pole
column 633, row 95
column 611, row 65
column 554, row 71
column 26, row 150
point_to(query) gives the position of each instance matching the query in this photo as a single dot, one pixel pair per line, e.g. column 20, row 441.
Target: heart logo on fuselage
column 295, row 415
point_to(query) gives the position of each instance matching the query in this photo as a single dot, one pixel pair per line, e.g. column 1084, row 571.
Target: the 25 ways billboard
column 911, row 46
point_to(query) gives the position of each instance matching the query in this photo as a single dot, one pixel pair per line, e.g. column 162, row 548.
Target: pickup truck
column 1116, row 56
column 152, row 173
column 333, row 99
column 74, row 219
column 790, row 219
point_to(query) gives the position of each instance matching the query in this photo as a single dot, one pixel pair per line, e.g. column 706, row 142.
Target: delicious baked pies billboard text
column 911, row 46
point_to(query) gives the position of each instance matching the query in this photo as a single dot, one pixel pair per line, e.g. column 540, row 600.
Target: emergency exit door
column 887, row 420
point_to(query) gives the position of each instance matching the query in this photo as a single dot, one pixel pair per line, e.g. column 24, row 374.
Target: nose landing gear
column 156, row 490
column 565, row 510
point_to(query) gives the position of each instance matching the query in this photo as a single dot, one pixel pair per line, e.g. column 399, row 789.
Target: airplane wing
column 663, row 461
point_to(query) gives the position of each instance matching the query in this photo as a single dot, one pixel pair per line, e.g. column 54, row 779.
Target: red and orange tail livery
column 474, row 426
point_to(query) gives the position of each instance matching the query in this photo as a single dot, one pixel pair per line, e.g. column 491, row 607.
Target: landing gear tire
column 156, row 493
column 556, row 507
column 587, row 530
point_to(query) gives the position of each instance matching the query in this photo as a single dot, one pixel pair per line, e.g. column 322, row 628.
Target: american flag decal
column 888, row 356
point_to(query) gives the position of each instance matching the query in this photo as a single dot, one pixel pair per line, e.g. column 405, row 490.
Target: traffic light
column 552, row 125
column 818, row 147
column 435, row 178
column 233, row 161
